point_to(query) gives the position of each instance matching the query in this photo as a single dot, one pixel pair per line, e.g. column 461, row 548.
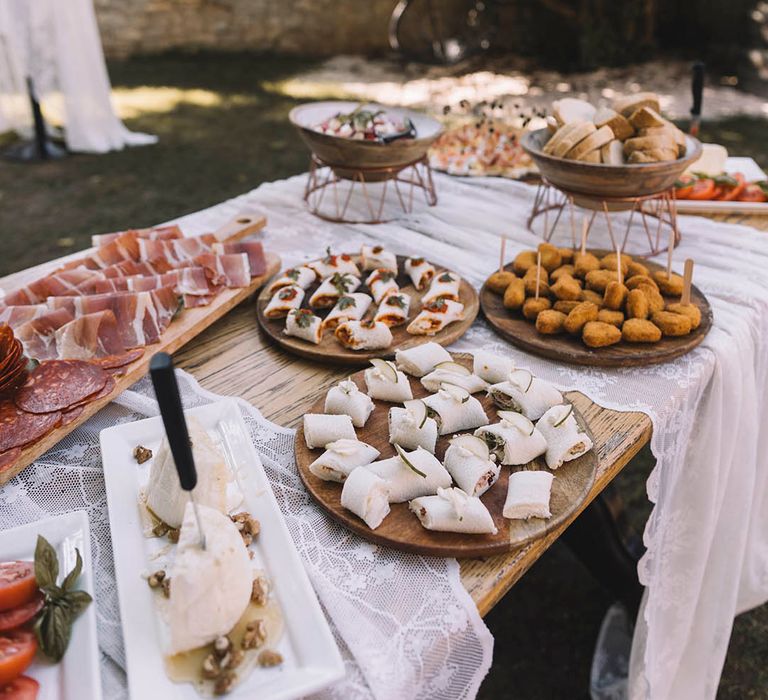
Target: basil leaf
column 75, row 602
column 53, row 592
column 53, row 631
column 46, row 563
column 72, row 576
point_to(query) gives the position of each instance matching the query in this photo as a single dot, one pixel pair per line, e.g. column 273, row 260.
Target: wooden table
column 234, row 358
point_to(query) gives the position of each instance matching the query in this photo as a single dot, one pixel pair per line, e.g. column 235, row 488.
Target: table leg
column 603, row 541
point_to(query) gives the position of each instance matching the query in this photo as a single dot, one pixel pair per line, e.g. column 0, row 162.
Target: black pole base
column 30, row 152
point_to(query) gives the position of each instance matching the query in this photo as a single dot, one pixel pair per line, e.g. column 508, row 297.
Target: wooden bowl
column 598, row 180
column 348, row 157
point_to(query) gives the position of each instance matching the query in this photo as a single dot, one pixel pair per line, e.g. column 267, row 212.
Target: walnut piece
column 156, row 580
column 166, row 585
column 255, row 634
column 270, row 658
column 141, row 454
column 248, row 526
column 260, row 590
column 223, row 684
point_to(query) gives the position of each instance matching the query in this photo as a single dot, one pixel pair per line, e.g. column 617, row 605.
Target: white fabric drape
column 57, row 44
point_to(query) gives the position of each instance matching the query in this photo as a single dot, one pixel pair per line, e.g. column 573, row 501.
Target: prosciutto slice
column 14, row 316
column 157, row 233
column 124, row 247
column 253, row 249
column 106, row 286
column 232, row 270
column 192, row 301
column 141, row 316
column 130, row 268
column 89, row 336
column 176, row 252
column 60, row 283
column 39, row 335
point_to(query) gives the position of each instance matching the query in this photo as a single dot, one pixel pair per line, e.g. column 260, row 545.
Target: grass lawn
column 222, row 133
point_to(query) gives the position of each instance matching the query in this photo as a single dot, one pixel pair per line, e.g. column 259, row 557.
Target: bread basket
column 601, row 181
column 352, row 159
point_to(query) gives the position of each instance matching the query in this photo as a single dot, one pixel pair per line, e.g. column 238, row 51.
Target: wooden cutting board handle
column 242, row 225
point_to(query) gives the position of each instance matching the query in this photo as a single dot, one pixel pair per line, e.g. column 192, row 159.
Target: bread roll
column 572, row 109
column 557, row 137
column 580, row 131
column 612, row 153
column 646, row 117
column 645, row 143
column 653, row 155
column 593, row 142
column 629, row 104
column 591, row 157
column 622, row 129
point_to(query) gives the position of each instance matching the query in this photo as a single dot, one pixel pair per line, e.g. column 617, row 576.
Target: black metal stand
column 41, row 148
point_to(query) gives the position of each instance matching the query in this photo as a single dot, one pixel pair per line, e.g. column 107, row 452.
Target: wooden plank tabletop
column 233, row 357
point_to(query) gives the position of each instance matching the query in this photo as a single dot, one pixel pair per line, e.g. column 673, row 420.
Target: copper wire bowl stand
column 657, row 213
column 334, row 185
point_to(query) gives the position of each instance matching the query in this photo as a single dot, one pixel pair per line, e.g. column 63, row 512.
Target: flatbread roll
column 422, row 359
column 341, row 457
column 528, row 494
column 367, row 496
column 452, row 510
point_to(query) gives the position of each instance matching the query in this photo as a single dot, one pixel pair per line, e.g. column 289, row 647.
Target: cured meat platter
column 83, row 370
column 401, row 530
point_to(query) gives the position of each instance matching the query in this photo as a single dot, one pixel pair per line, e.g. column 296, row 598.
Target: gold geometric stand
column 366, row 195
column 655, row 215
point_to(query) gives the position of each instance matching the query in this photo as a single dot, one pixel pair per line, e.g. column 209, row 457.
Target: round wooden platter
column 329, row 350
column 402, row 530
column 518, row 330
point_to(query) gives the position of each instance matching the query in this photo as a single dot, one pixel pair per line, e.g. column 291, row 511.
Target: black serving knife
column 408, row 133
column 172, row 412
column 697, row 88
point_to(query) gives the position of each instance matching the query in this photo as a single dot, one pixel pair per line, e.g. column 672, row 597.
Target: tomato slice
column 731, row 193
column 703, row 189
column 752, row 193
column 684, row 186
column 17, row 649
column 23, row 688
column 16, row 617
column 17, row 583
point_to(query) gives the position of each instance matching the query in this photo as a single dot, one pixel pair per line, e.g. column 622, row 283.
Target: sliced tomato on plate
column 23, row 688
column 753, row 193
column 703, row 189
column 684, row 186
column 17, row 583
column 731, row 187
column 17, row 649
column 16, row 617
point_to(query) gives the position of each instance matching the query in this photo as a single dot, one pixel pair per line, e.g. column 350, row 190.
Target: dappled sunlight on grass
column 137, row 101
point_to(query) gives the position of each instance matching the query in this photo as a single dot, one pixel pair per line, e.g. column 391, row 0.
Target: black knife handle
column 172, row 412
column 697, row 87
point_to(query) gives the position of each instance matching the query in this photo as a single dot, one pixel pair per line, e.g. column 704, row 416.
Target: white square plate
column 311, row 658
column 76, row 676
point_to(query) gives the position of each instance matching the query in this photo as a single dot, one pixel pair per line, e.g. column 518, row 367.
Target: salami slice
column 106, row 390
column 58, row 384
column 6, row 338
column 19, row 428
column 8, row 457
column 115, row 361
column 11, row 357
column 71, row 415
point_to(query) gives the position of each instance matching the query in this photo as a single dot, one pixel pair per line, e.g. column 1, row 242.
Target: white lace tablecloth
column 707, row 537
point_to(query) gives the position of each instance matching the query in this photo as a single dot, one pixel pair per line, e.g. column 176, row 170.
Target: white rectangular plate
column 311, row 658
column 751, row 170
column 76, row 676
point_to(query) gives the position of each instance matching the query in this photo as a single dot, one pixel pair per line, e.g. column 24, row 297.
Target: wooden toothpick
column 685, row 299
column 670, row 250
column 501, row 254
column 619, row 271
column 538, row 272
column 584, row 230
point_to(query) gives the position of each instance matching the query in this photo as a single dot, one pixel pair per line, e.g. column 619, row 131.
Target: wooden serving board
column 329, row 350
column 518, row 330
column 188, row 324
column 402, row 530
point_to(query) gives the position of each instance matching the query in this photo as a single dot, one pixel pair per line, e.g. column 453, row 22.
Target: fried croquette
column 582, row 264
column 639, row 330
column 566, row 289
column 550, row 322
column 637, row 304
column 562, row 270
column 533, row 307
column 550, row 256
column 690, row 310
column 608, row 262
column 582, row 314
column 514, row 294
column 671, row 286
column 597, row 280
column 598, row 334
column 566, row 255
column 639, row 280
column 523, row 261
column 635, row 268
column 672, row 324
column 615, row 295
column 615, row 318
column 655, row 300
column 499, row 281
column 594, row 297
column 565, row 306
column 530, row 281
